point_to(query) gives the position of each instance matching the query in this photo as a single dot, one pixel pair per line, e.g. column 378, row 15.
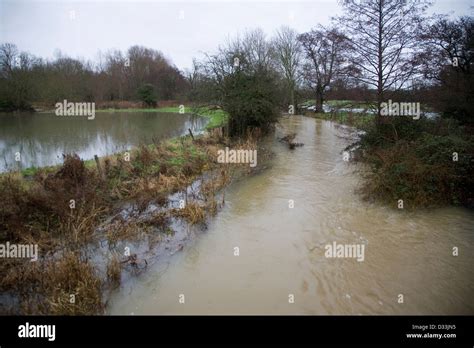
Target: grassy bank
column 358, row 120
column 217, row 118
column 69, row 209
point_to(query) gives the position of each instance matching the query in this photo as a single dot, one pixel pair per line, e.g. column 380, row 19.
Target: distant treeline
column 26, row 79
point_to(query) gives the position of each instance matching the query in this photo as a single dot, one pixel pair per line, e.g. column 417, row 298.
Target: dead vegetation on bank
column 66, row 210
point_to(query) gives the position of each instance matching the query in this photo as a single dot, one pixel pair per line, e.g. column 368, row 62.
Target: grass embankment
column 60, row 210
column 425, row 163
column 217, row 118
column 358, row 120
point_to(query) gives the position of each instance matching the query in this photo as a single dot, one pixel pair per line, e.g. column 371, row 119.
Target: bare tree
column 8, row 55
column 249, row 53
column 257, row 50
column 448, row 43
column 287, row 50
column 383, row 40
column 447, row 58
column 324, row 60
column 16, row 76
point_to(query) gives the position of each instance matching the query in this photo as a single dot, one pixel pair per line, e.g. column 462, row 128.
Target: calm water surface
column 42, row 138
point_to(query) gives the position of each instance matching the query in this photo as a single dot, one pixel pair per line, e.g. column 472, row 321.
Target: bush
column 419, row 167
column 251, row 101
column 146, row 93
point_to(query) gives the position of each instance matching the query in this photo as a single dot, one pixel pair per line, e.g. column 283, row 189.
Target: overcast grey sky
column 179, row 29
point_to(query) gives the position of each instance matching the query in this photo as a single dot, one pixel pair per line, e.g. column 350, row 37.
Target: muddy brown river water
column 282, row 249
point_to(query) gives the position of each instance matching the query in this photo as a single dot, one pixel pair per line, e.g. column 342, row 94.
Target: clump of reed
column 193, row 212
column 69, row 285
column 114, row 272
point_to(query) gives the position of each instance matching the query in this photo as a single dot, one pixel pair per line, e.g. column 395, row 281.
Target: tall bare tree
column 324, row 59
column 287, row 50
column 383, row 39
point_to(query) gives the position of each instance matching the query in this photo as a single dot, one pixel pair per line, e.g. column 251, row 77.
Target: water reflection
column 41, row 139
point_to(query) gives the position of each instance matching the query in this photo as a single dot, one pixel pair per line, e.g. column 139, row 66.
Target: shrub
column 418, row 167
column 147, row 95
column 250, row 101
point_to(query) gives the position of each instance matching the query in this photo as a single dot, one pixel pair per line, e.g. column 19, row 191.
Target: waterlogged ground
column 282, row 250
column 42, row 138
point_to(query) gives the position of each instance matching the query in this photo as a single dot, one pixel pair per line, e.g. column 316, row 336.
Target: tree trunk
column 319, row 102
column 380, row 67
column 292, row 98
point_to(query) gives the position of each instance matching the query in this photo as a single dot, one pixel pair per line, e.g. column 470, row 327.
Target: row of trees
column 376, row 50
column 25, row 79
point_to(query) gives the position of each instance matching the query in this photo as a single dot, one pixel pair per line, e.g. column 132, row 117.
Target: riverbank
column 358, row 120
column 413, row 163
column 71, row 210
column 217, row 117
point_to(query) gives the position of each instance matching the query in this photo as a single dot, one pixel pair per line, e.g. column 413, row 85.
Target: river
column 282, row 249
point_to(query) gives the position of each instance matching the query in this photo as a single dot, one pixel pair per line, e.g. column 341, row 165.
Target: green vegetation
column 358, row 120
column 423, row 162
column 171, row 109
column 217, row 117
column 146, row 94
column 251, row 101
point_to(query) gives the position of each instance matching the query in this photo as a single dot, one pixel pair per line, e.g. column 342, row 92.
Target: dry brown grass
column 119, row 230
column 114, row 272
column 37, row 211
column 158, row 219
column 68, row 286
column 192, row 212
column 72, row 276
